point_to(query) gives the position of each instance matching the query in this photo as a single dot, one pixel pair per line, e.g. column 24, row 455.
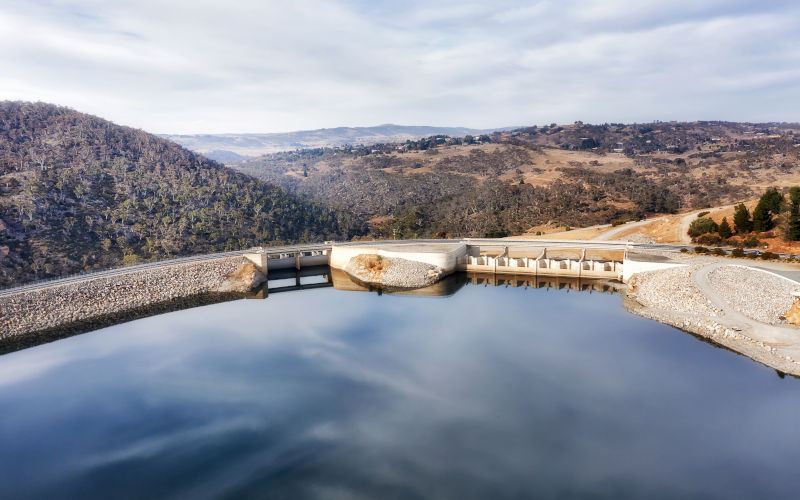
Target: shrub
column 567, row 228
column 737, row 252
column 750, row 242
column 131, row 259
column 703, row 213
column 751, row 255
column 702, row 226
column 700, row 249
column 718, row 251
column 769, row 256
column 708, row 239
column 618, row 222
column 684, row 250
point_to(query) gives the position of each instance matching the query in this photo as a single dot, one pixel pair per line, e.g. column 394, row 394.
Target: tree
column 771, row 203
column 762, row 219
column 725, row 229
column 793, row 232
column 741, row 220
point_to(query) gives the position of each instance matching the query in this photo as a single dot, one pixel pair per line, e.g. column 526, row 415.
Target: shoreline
column 74, row 304
column 685, row 299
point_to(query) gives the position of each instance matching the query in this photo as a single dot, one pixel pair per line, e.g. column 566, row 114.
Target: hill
column 510, row 182
column 232, row 147
column 78, row 193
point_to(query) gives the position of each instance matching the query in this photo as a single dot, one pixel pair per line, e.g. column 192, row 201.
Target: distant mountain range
column 229, row 148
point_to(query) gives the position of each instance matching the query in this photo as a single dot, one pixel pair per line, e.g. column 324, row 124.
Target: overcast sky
column 268, row 66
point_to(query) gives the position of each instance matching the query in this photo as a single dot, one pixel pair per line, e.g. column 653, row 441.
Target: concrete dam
column 575, row 259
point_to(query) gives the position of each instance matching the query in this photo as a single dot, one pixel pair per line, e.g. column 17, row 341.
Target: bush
column 702, row 226
column 618, row 222
column 751, row 255
column 750, row 242
column 567, row 228
column 737, row 252
column 708, row 239
column 718, row 251
column 684, row 250
column 497, row 233
column 703, row 213
column 769, row 256
column 131, row 259
column 700, row 249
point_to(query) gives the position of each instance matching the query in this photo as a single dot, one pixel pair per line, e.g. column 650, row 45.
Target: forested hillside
column 508, row 182
column 79, row 193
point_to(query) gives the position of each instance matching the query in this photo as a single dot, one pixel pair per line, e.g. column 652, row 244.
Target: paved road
column 683, row 228
column 608, row 235
column 784, row 338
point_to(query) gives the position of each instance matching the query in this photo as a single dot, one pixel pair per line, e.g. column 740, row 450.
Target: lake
column 492, row 392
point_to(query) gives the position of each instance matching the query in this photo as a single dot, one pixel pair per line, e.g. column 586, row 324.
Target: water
column 490, row 393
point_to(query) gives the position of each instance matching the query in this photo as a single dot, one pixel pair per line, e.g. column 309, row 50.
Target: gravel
column 672, row 290
column 44, row 308
column 756, row 294
column 636, row 238
column 398, row 273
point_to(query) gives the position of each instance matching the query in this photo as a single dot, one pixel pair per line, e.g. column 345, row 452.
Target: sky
column 253, row 66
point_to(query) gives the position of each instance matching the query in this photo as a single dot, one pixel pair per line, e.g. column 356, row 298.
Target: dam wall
column 59, row 305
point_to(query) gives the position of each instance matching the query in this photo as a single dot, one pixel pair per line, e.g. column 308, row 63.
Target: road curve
column 624, row 227
column 782, row 337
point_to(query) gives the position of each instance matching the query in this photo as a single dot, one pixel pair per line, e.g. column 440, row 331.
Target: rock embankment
column 45, row 308
column 672, row 290
column 673, row 297
column 758, row 295
column 392, row 272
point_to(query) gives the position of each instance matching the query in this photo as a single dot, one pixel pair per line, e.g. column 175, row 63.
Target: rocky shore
column 674, row 297
column 74, row 303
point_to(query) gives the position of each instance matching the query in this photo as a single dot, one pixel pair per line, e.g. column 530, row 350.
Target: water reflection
column 495, row 392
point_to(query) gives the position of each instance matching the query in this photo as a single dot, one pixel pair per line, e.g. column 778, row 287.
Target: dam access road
column 663, row 284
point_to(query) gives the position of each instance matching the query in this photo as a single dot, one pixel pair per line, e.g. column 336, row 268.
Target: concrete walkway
column 785, row 339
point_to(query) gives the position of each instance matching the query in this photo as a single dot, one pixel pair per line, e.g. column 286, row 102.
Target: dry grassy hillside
column 518, row 181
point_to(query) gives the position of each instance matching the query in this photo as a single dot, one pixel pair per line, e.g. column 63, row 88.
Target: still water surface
column 490, row 393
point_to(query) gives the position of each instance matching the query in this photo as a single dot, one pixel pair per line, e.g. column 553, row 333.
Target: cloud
column 249, row 66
